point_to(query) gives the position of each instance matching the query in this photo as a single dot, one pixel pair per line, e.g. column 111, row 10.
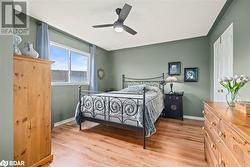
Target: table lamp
column 171, row 79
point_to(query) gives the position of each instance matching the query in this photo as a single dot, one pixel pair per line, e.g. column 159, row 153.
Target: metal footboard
column 104, row 109
column 113, row 110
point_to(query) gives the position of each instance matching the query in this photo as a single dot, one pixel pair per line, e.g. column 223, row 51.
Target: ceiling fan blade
column 124, row 12
column 129, row 30
column 103, row 25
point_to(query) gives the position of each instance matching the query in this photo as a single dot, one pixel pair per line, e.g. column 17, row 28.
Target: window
column 71, row 66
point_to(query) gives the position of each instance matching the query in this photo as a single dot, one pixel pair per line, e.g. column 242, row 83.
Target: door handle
column 218, row 91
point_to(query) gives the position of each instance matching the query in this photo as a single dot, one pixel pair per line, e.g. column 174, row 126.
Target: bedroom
column 182, row 35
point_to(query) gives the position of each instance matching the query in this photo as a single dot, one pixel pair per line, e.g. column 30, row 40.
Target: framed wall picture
column 191, row 74
column 174, row 68
column 100, row 73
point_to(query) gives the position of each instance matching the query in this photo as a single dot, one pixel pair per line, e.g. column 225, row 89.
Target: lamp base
column 171, row 88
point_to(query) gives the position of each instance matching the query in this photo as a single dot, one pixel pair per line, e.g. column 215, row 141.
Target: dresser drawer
column 246, row 155
column 212, row 145
column 212, row 118
column 210, row 156
column 226, row 158
column 210, row 129
column 234, row 142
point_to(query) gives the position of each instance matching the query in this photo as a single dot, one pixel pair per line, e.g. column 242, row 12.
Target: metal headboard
column 154, row 81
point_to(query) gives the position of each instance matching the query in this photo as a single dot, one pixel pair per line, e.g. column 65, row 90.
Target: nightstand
column 174, row 105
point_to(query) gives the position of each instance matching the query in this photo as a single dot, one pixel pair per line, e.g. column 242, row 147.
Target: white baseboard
column 193, row 117
column 72, row 119
column 64, row 121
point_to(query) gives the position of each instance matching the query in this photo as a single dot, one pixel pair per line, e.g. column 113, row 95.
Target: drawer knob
column 213, row 123
column 203, row 128
column 212, row 145
column 203, row 112
column 221, row 162
column 222, row 134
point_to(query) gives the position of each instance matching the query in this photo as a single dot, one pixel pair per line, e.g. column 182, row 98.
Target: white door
column 223, row 62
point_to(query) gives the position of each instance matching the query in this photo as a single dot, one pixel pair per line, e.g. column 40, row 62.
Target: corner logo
column 4, row 163
column 14, row 19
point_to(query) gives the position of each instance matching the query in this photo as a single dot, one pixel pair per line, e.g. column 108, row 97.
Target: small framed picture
column 191, row 74
column 174, row 68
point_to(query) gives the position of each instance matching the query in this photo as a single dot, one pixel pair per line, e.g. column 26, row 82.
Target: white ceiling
column 156, row 21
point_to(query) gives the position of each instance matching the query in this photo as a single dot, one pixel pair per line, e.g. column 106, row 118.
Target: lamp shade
column 171, row 79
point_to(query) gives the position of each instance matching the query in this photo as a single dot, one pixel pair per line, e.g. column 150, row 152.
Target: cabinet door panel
column 39, row 95
column 173, row 106
column 32, row 110
column 21, row 113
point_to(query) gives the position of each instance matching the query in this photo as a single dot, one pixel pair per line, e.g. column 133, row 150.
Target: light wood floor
column 176, row 144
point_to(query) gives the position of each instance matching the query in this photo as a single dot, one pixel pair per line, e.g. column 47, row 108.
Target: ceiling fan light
column 118, row 29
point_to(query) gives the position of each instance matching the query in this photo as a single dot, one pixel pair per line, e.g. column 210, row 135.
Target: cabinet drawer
column 226, row 159
column 212, row 145
column 210, row 156
column 212, row 118
column 210, row 129
column 234, row 142
column 247, row 155
column 174, row 98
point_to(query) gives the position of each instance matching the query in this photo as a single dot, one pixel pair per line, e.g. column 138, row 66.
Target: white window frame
column 70, row 49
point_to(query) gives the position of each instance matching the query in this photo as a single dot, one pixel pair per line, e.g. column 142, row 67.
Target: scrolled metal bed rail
column 111, row 109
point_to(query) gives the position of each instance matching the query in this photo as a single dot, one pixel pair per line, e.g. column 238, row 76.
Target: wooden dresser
column 32, row 111
column 227, row 136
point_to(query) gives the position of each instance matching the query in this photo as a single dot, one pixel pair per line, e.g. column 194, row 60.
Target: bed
column 137, row 106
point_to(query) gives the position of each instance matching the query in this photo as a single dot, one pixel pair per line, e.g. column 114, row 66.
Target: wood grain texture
column 232, row 116
column 226, row 136
column 32, row 109
column 176, row 144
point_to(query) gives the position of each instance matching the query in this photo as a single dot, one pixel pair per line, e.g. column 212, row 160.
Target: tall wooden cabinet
column 32, row 111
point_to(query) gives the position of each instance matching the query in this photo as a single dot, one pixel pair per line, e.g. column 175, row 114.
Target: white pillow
column 137, row 89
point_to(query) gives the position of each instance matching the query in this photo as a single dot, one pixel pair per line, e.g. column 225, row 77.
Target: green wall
column 65, row 97
column 238, row 13
column 6, row 98
column 152, row 60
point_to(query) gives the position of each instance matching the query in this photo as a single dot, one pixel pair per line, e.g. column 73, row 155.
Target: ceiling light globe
column 118, row 27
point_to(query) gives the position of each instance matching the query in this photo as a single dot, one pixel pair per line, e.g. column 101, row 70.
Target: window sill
column 69, row 84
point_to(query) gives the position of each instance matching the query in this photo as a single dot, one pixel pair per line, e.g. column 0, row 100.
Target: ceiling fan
column 118, row 25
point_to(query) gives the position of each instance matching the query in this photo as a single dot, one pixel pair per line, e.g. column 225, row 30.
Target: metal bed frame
column 120, row 108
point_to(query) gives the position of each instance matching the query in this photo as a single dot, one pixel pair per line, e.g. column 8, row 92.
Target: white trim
column 64, row 122
column 69, row 83
column 194, row 117
column 72, row 119
column 70, row 49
